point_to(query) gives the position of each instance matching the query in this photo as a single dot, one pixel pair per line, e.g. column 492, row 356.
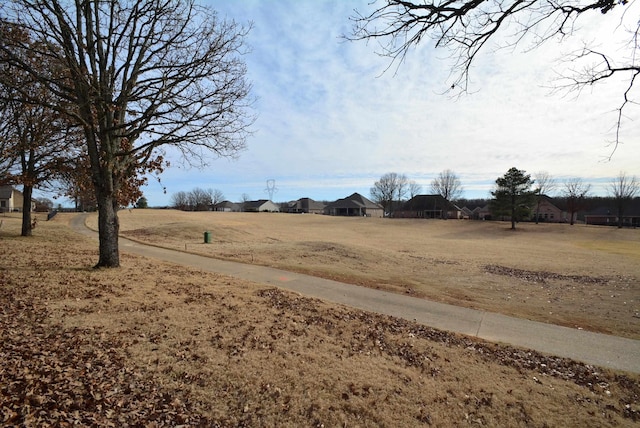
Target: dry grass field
column 576, row 276
column 156, row 344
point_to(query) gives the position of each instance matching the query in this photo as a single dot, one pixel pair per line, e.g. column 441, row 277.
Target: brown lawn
column 576, row 276
column 155, row 344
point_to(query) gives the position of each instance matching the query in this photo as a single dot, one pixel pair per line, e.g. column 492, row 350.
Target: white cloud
column 331, row 122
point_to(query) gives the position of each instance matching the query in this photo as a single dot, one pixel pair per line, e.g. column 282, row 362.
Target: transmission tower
column 271, row 188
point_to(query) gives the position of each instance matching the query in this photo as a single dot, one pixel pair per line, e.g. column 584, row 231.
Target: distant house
column 263, row 205
column 606, row 216
column 226, row 206
column 548, row 212
column 306, row 205
column 11, row 199
column 354, row 205
column 482, row 213
column 428, row 206
column 466, row 213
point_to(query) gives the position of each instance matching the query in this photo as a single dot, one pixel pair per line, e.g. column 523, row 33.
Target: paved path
column 591, row 348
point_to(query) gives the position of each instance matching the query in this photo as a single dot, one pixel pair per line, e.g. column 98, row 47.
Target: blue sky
column 331, row 121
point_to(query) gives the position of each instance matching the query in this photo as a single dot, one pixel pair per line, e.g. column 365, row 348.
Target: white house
column 10, row 199
column 263, row 205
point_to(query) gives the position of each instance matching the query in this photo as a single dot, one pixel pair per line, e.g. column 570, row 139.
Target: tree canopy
column 36, row 141
column 623, row 189
column 448, row 185
column 512, row 195
column 390, row 188
column 137, row 77
column 575, row 191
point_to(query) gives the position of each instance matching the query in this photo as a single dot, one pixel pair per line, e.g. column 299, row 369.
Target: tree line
column 392, row 189
column 197, row 199
column 515, row 194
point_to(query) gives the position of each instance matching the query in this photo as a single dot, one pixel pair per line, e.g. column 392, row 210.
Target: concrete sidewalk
column 592, row 348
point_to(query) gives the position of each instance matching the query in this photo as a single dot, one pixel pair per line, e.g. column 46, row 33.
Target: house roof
column 428, row 202
column 632, row 209
column 466, row 211
column 255, row 204
column 355, row 200
column 6, row 191
column 306, row 203
column 226, row 204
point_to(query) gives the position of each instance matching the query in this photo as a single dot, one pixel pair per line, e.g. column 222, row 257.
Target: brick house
column 354, row 205
column 428, row 206
column 549, row 213
column 306, row 205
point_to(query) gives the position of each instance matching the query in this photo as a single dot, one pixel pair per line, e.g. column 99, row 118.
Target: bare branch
column 466, row 27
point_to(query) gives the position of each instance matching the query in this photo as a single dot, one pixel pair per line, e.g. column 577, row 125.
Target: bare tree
column 545, row 185
column 244, row 200
column 623, row 189
column 390, row 188
column 199, row 199
column 37, row 141
column 575, row 190
column 465, row 29
column 142, row 75
column 414, row 189
column 180, row 200
column 216, row 196
column 447, row 185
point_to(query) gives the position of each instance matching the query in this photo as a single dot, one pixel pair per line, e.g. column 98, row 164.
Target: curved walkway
column 591, row 348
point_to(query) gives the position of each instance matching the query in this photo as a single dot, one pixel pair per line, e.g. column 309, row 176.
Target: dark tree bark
column 27, row 225
column 108, row 230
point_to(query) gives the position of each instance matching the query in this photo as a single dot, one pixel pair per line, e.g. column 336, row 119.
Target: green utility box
column 207, row 237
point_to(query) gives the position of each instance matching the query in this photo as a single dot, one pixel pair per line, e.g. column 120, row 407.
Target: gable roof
column 226, row 204
column 428, row 202
column 632, row 209
column 255, row 204
column 6, row 192
column 306, row 204
column 356, row 200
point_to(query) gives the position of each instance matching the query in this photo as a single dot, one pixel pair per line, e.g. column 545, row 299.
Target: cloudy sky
column 331, row 121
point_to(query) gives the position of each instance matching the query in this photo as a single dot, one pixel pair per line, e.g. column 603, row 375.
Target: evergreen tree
column 513, row 195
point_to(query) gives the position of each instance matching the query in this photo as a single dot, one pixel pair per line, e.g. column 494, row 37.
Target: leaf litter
column 158, row 345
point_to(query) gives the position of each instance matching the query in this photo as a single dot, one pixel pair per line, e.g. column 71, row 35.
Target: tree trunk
column 27, row 229
column 513, row 212
column 620, row 214
column 108, row 229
